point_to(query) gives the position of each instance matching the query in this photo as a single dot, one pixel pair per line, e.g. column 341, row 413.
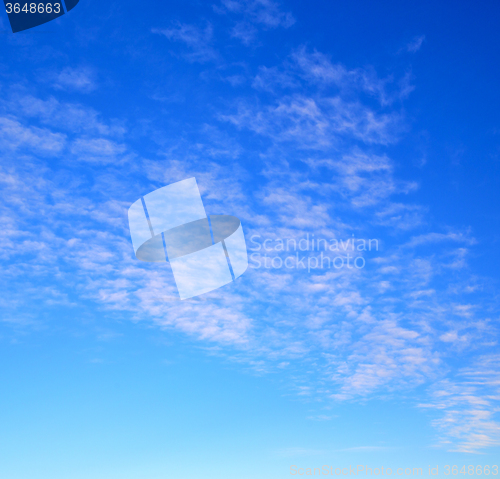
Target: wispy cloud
column 415, row 44
column 430, row 238
column 244, row 31
column 16, row 136
column 69, row 117
column 82, row 79
column 99, row 150
column 401, row 216
column 305, row 113
column 254, row 15
column 469, row 407
column 318, row 68
column 198, row 41
column 362, row 178
column 317, row 122
column 265, row 12
column 321, row 417
column 319, row 167
column 268, row 79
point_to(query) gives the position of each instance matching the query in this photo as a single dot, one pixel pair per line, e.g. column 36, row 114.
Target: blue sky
column 374, row 120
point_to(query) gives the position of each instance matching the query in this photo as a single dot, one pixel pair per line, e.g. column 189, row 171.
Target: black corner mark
column 25, row 14
column 70, row 4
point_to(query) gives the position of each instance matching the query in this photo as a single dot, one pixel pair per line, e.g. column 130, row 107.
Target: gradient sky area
column 338, row 119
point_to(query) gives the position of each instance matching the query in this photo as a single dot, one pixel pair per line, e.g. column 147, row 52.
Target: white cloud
column 401, row 216
column 245, row 32
column 16, row 136
column 265, row 12
column 318, row 68
column 386, row 354
column 197, row 40
column 363, row 179
column 99, row 150
column 269, row 78
column 430, row 238
column 321, row 417
column 415, row 44
column 80, row 79
column 317, row 123
column 71, row 117
column 468, row 407
column 334, row 335
column 313, row 117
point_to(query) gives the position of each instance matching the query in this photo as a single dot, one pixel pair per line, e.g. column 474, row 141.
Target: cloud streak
column 198, row 41
column 319, row 167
